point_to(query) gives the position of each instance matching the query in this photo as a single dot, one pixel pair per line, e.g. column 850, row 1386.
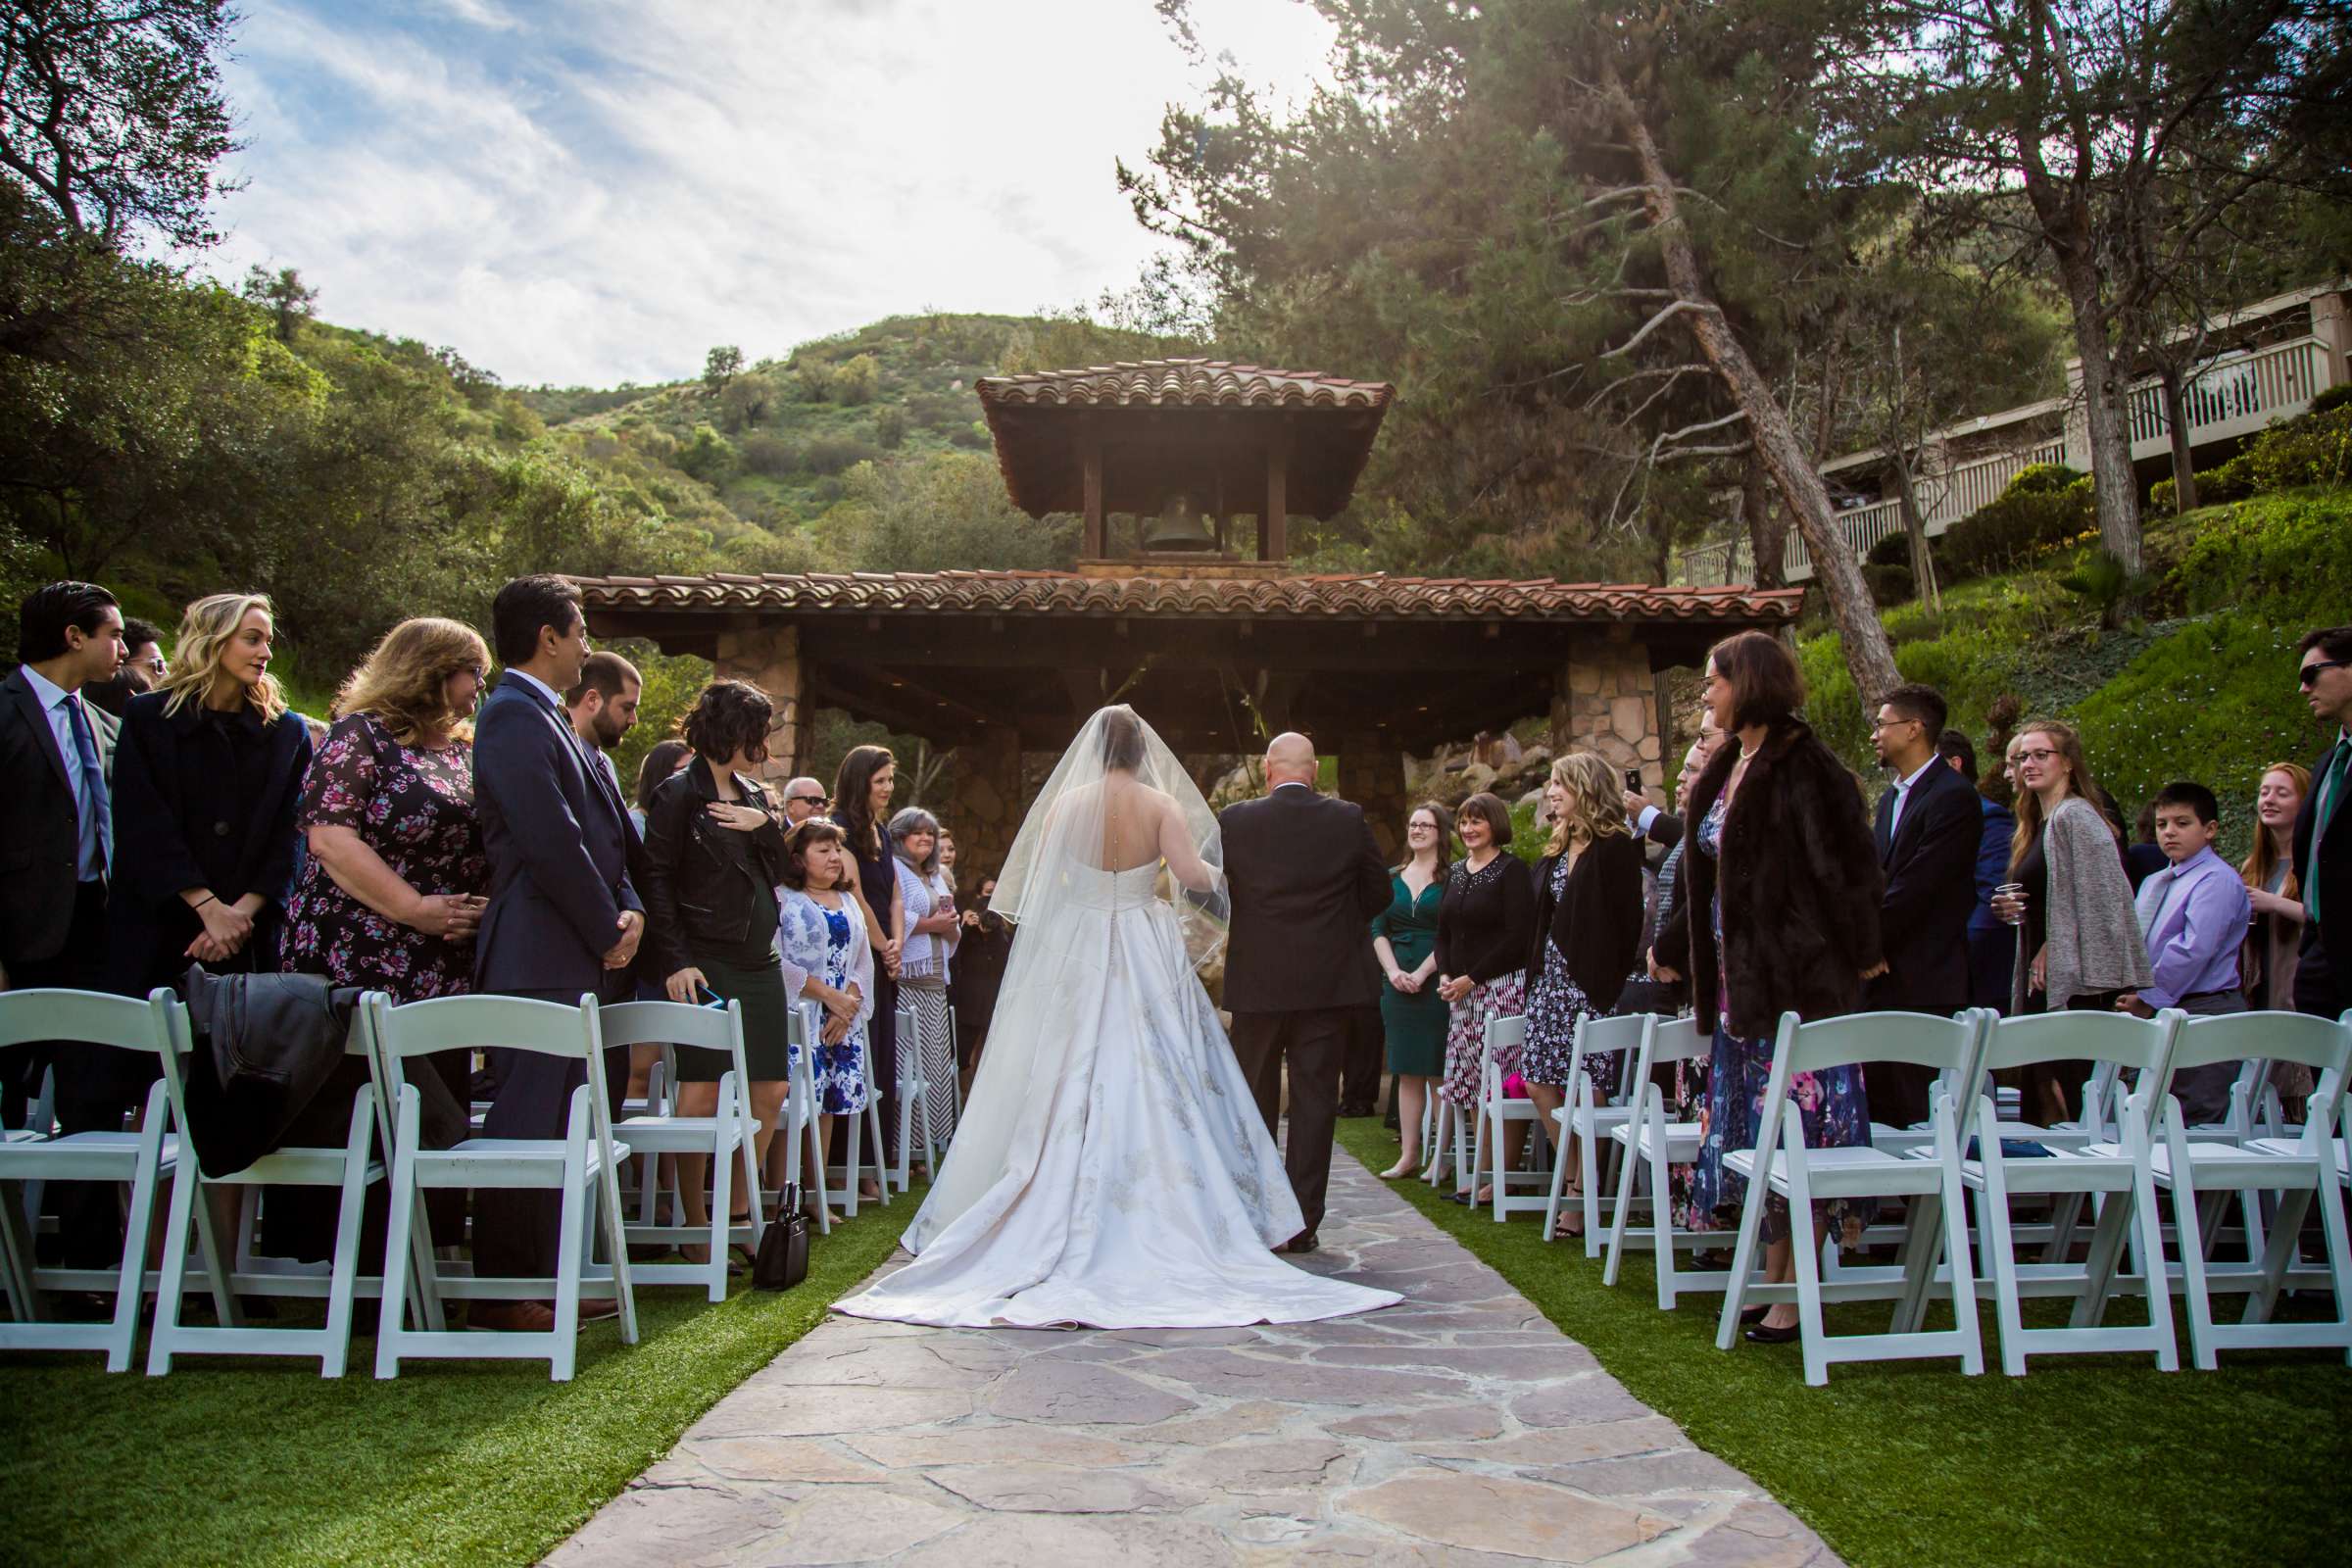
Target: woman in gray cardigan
column 2079, row 943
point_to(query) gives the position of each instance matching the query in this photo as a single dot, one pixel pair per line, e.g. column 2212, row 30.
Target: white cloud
column 600, row 191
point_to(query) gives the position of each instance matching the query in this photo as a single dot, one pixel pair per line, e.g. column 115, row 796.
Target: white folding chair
column 729, row 1135
column 1496, row 1111
column 1652, row 1144
column 1783, row 1165
column 1588, row 1118
column 798, row 1122
column 350, row 1167
column 914, row 1099
column 1448, row 1143
column 2304, row 1173
column 869, row 1121
column 2122, row 1181
column 89, row 1018
column 581, row 1166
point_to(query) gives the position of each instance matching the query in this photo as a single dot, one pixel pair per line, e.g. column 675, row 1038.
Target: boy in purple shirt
column 2192, row 916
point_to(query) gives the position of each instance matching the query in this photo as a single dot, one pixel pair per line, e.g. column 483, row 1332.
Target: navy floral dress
column 415, row 808
column 1831, row 1103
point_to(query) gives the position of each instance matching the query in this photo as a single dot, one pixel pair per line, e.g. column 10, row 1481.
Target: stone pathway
column 1459, row 1428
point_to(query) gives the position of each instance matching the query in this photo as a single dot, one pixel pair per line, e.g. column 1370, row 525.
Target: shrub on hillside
column 2310, row 449
column 832, row 453
column 973, row 435
column 2045, row 505
column 1892, row 551
column 2338, row 396
column 857, row 380
column 890, row 426
column 706, row 454
column 1890, row 585
column 2228, row 481
column 771, row 455
column 2289, row 554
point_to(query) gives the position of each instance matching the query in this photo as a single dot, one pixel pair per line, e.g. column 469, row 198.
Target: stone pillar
column 1372, row 775
column 1605, row 699
column 770, row 658
column 991, row 797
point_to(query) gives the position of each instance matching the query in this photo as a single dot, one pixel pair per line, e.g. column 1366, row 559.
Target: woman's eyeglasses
column 2035, row 756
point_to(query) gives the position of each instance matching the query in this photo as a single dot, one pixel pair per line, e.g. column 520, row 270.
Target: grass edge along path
column 2087, row 1459
column 261, row 1461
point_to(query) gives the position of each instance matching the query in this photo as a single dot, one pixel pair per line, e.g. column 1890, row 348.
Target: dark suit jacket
column 1931, row 871
column 2333, row 873
column 1307, row 879
column 1665, row 830
column 559, row 845
column 179, row 823
column 40, row 832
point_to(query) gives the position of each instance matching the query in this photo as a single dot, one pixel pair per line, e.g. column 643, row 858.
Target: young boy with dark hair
column 2193, row 915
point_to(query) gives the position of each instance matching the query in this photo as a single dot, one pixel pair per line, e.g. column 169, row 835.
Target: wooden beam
column 1089, row 457
column 1274, row 530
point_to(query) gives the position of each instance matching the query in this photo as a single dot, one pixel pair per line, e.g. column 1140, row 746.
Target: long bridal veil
column 1078, row 835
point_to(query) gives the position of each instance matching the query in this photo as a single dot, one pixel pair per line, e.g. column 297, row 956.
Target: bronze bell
column 1180, row 525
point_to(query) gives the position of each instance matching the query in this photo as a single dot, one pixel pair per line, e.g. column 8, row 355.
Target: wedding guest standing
column 394, row 887
column 1587, row 927
column 862, row 791
column 1784, row 889
column 713, row 858
column 664, row 758
column 2274, row 936
column 826, row 957
column 804, row 797
column 143, row 664
column 1485, row 923
column 1992, row 947
column 2079, row 941
column 2193, row 918
column 2323, row 847
column 563, row 919
column 1404, row 939
column 57, row 856
column 932, row 932
column 977, row 974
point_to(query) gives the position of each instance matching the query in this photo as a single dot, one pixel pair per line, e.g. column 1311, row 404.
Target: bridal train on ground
column 1111, row 1168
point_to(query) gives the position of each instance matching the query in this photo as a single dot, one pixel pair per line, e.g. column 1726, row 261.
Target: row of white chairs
column 582, row 1166
column 2131, row 1142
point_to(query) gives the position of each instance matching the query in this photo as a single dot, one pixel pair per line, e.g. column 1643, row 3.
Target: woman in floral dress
column 828, row 959
column 1486, row 922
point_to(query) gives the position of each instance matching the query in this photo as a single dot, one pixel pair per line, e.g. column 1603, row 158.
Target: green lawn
column 2087, row 1460
column 256, row 1461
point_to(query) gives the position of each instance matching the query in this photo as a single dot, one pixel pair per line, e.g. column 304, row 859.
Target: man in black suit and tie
column 1307, row 879
column 1928, row 827
column 2323, row 831
column 563, row 917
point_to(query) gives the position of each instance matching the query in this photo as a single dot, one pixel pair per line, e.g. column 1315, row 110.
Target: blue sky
column 599, row 190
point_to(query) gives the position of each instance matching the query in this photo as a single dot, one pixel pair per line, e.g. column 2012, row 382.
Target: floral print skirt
column 1555, row 1004
column 1504, row 996
column 1836, row 1113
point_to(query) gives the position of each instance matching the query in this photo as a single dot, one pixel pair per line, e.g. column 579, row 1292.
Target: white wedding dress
column 1111, row 1168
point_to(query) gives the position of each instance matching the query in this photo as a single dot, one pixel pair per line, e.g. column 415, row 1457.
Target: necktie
column 2332, row 788
column 2162, row 885
column 97, row 808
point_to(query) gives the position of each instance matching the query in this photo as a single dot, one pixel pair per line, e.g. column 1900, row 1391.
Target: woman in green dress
column 1404, row 939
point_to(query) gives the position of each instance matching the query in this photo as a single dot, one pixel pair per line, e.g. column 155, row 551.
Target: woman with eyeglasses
column 1404, row 939
column 2078, row 940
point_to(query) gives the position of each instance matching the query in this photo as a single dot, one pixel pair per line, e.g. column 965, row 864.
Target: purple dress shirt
column 2192, row 916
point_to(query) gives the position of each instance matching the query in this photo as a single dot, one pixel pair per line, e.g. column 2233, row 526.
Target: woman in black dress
column 713, row 856
column 861, row 792
column 1486, row 927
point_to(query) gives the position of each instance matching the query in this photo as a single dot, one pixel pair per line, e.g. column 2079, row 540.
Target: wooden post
column 1273, row 530
column 1091, row 456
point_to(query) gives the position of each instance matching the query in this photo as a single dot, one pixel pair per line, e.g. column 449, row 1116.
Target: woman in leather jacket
column 715, row 854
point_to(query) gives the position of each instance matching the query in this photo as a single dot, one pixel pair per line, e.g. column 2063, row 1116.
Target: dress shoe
column 599, row 1309
column 1754, row 1314
column 510, row 1317
column 1764, row 1334
column 1303, row 1244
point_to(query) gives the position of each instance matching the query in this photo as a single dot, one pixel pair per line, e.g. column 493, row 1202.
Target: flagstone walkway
column 1459, row 1428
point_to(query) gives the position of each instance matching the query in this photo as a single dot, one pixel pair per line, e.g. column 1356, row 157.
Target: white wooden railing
column 2235, row 395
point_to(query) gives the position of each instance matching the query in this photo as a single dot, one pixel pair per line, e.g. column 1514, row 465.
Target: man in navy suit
column 563, row 917
column 1929, row 829
column 2323, row 830
column 1307, row 879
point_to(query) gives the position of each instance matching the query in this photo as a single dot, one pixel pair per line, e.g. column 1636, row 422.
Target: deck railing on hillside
column 2232, row 396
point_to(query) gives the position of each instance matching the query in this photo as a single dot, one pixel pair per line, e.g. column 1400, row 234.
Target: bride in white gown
column 1110, row 1168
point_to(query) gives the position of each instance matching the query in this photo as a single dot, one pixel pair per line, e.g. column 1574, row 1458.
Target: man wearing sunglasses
column 804, row 797
column 2323, row 830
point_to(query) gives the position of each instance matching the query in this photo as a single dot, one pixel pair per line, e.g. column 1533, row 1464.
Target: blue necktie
column 97, row 809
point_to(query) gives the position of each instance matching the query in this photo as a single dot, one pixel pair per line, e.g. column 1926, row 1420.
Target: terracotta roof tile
column 1186, row 383
column 1376, row 595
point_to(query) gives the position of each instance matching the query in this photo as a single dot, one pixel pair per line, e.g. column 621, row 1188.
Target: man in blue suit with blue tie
column 563, row 917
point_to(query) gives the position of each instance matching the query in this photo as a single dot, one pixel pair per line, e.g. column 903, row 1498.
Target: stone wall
column 992, row 794
column 770, row 658
column 1373, row 777
column 1605, row 699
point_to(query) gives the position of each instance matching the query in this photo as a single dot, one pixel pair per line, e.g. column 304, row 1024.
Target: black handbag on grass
column 783, row 1260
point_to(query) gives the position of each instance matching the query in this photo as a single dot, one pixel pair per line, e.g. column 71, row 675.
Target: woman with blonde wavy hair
column 206, row 775
column 1589, row 908
column 394, row 886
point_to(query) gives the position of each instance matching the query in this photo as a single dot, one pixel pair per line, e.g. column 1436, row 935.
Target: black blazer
column 558, row 842
column 2333, row 873
column 1665, row 830
column 1802, row 897
column 1306, row 878
column 697, row 894
column 1485, row 932
column 1597, row 923
column 41, row 831
column 1931, row 871
column 168, row 780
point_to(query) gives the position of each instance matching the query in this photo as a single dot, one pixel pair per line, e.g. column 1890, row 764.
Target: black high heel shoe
column 1752, row 1315
column 1762, row 1335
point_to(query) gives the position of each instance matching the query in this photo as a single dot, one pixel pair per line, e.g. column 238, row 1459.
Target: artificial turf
column 2091, row 1459
column 263, row 1462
